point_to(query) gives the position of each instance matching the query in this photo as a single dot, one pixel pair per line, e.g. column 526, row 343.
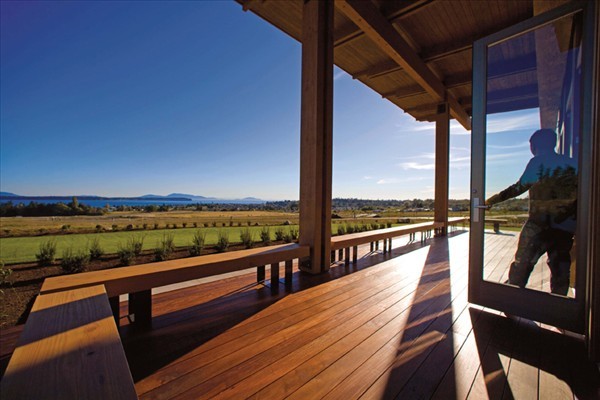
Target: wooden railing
column 139, row 280
column 344, row 243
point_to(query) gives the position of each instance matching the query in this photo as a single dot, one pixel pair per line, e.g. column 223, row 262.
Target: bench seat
column 137, row 281
column 69, row 349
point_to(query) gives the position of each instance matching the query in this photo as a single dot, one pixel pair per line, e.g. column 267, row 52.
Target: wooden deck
column 393, row 326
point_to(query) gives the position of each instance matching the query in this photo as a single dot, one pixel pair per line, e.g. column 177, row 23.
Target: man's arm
column 508, row 193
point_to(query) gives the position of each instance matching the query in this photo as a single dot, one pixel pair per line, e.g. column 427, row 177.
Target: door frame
column 555, row 310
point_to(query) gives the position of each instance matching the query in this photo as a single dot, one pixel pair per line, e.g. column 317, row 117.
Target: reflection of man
column 551, row 179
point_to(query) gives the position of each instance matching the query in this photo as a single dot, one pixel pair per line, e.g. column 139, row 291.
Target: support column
column 442, row 165
column 316, row 134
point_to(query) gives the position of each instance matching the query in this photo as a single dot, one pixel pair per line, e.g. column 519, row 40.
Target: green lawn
column 24, row 249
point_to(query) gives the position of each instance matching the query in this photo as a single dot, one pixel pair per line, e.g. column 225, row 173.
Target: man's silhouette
column 551, row 179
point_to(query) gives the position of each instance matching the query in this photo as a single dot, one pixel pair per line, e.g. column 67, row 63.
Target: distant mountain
column 7, row 196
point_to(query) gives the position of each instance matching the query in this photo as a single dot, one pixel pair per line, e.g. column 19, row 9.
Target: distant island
column 170, row 198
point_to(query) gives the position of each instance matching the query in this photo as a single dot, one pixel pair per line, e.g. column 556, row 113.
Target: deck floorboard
column 395, row 325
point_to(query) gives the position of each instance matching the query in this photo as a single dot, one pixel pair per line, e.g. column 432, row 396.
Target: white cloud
column 387, row 181
column 523, row 145
column 501, row 122
column 417, row 166
column 339, row 74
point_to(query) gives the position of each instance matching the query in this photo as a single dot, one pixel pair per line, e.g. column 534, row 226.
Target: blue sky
column 129, row 98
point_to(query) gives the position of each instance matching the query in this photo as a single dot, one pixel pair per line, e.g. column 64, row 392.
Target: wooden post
column 442, row 165
column 260, row 274
column 316, row 128
column 115, row 307
column 289, row 264
column 140, row 306
column 275, row 277
column 355, row 254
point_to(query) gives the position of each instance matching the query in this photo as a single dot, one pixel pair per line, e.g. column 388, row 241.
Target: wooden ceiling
column 414, row 53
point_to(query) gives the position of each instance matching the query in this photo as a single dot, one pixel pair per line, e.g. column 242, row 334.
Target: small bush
column 214, row 224
column 374, row 226
column 287, row 238
column 65, row 228
column 247, row 238
column 155, row 226
column 349, row 228
column 145, row 226
column 341, row 230
column 46, row 253
column 74, row 262
column 184, row 224
column 198, row 243
column 389, row 225
column 125, row 255
column 222, row 242
column 195, row 224
column 164, row 248
column 129, row 227
column 94, row 249
column 279, row 234
column 206, row 224
column 99, row 228
column 382, row 226
column 265, row 235
column 136, row 244
column 5, row 274
column 294, row 233
column 174, row 226
column 115, row 227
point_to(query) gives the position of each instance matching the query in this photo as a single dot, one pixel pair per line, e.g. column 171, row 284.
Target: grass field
column 21, row 237
column 23, row 249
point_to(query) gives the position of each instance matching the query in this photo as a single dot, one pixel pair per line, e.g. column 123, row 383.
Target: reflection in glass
column 532, row 139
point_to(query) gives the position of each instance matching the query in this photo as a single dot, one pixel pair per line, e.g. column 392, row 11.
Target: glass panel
column 532, row 139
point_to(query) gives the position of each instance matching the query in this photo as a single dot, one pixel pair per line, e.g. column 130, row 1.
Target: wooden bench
column 138, row 281
column 343, row 243
column 69, row 349
column 496, row 222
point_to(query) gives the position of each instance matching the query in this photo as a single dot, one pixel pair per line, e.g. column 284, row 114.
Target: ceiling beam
column 450, row 82
column 366, row 16
column 349, row 32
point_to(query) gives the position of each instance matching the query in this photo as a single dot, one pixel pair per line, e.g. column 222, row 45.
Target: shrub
column 222, row 242
column 382, row 226
column 279, row 234
column 95, row 249
column 125, row 255
column 74, row 262
column 294, row 233
column 155, row 226
column 99, row 228
column 184, row 224
column 198, row 243
column 174, row 226
column 115, row 227
column 46, row 253
column 136, row 244
column 5, row 273
column 206, row 224
column 265, row 235
column 247, row 238
column 214, row 224
column 129, row 227
column 164, row 248
column 389, row 225
column 195, row 224
column 287, row 238
column 349, row 229
column 374, row 226
column 65, row 228
column 341, row 230
column 145, row 226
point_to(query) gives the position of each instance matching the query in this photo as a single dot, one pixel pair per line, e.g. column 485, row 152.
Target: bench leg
column 275, row 277
column 288, row 272
column 140, row 305
column 340, row 254
column 355, row 255
column 390, row 245
column 115, row 307
column 496, row 227
column 377, row 245
column 371, row 247
column 260, row 274
column 347, row 256
column 332, row 256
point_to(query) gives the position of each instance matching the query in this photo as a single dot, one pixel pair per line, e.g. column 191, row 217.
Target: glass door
column 528, row 172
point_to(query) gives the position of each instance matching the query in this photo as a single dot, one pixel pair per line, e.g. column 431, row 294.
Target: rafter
column 349, row 33
column 380, row 31
column 450, row 82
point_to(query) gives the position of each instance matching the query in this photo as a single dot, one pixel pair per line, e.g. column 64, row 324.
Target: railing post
column 289, row 264
column 140, row 306
column 442, row 165
column 355, row 255
column 260, row 274
column 275, row 277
